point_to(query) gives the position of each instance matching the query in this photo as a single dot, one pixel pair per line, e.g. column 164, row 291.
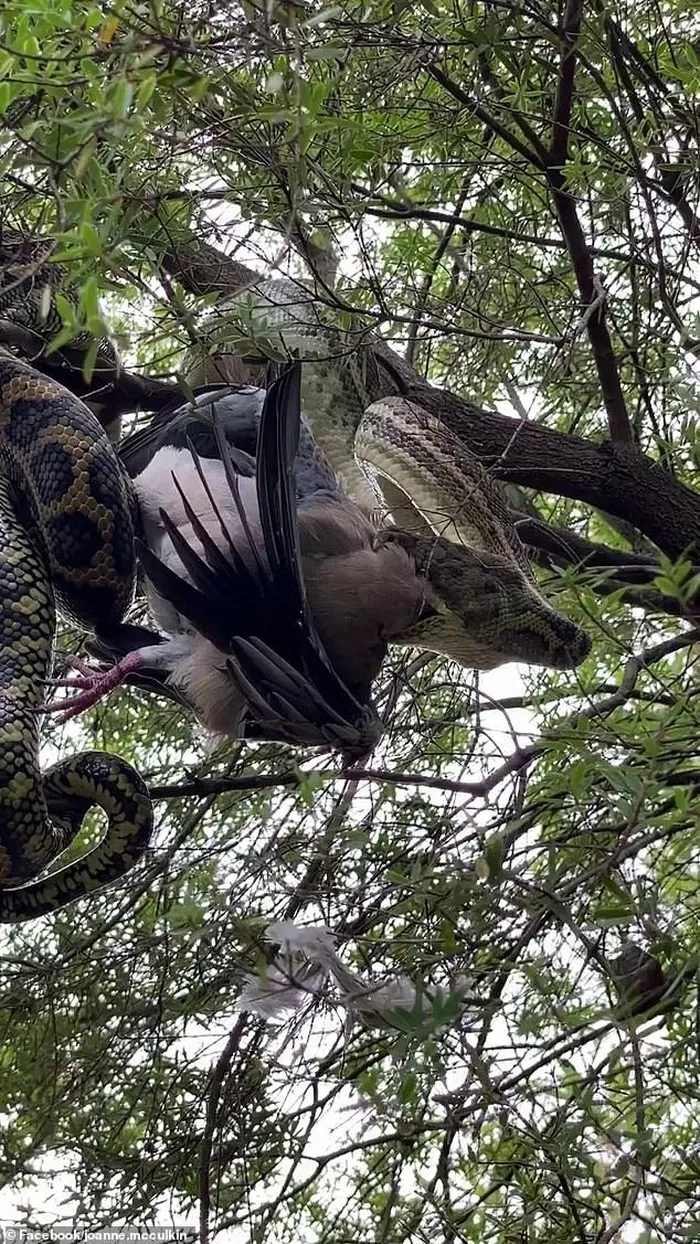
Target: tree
column 513, row 191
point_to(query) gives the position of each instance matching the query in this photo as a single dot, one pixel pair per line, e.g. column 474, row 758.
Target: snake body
column 66, row 539
column 281, row 318
column 425, row 474
column 29, row 282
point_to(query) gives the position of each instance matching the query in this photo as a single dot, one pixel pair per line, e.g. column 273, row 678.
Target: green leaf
column 145, row 91
column 91, row 239
column 327, row 53
column 84, row 158
column 120, row 97
column 494, row 855
column 323, row 16
column 89, row 360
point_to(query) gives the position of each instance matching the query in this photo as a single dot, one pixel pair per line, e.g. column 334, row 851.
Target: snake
column 67, row 514
column 67, row 517
column 422, row 477
column 30, row 279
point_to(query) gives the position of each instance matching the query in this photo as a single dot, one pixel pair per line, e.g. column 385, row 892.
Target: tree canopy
column 501, row 1041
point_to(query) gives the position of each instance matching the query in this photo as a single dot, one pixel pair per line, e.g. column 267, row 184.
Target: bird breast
column 360, row 600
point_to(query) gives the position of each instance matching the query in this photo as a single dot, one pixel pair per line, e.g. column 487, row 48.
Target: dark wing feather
column 194, row 421
column 228, row 464
column 200, row 607
column 260, row 616
column 278, row 440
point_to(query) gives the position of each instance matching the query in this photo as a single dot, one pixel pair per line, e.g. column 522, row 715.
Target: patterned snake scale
column 420, row 466
column 66, row 539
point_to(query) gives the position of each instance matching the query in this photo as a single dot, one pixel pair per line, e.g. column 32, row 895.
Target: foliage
column 513, row 193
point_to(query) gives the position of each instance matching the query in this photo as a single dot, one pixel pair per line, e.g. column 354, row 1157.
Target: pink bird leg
column 94, row 684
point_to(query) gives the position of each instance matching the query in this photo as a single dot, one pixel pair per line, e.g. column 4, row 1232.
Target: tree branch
column 571, row 27
column 671, row 180
column 111, row 390
column 589, row 286
column 534, row 155
column 629, row 573
column 612, row 477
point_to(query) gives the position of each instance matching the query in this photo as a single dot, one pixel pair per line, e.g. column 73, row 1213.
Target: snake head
column 483, row 610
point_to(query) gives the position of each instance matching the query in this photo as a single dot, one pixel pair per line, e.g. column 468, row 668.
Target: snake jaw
column 482, row 610
column 479, row 647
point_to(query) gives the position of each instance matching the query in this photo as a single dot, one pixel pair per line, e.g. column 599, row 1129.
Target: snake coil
column 426, row 477
column 66, row 540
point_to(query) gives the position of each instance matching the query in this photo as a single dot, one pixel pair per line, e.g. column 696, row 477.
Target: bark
column 613, row 477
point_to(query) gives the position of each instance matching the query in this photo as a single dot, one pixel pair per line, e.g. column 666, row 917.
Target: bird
column 219, row 546
column 249, row 539
column 641, row 982
column 398, row 461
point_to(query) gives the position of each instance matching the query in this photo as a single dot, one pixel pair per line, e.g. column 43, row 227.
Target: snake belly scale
column 66, row 540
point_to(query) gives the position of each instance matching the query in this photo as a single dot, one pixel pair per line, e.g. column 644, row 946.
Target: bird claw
column 93, row 683
column 88, row 671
